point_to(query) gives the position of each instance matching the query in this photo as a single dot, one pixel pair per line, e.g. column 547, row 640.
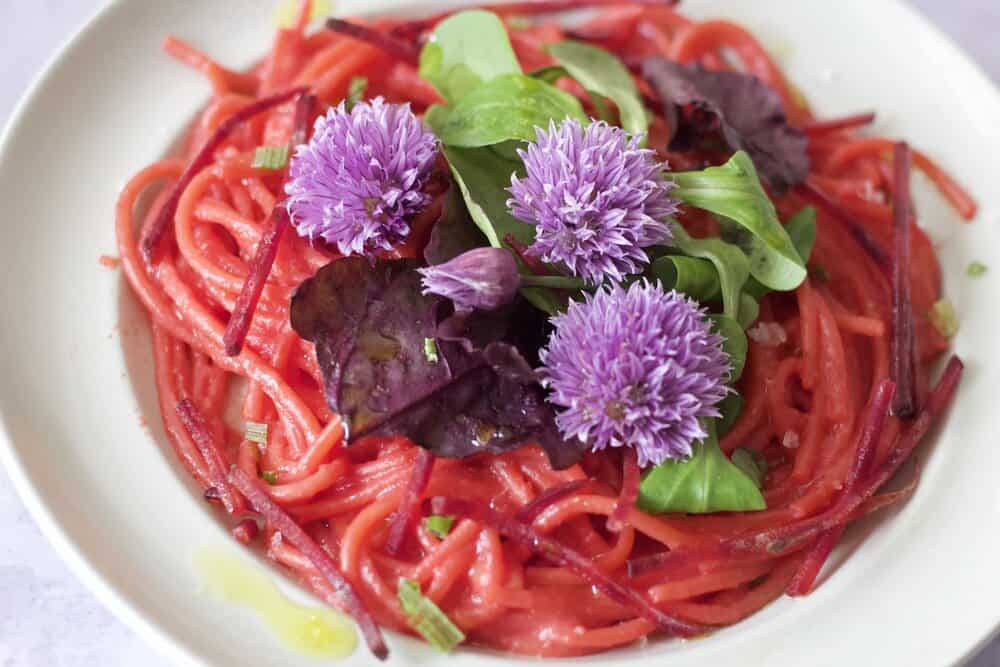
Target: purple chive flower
column 483, row 278
column 638, row 368
column 596, row 198
column 361, row 177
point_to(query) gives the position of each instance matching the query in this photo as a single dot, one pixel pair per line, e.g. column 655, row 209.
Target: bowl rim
column 39, row 508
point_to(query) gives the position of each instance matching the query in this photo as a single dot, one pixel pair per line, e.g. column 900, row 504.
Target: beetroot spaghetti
column 569, row 527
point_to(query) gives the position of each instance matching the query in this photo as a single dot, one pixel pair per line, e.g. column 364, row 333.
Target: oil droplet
column 318, row 632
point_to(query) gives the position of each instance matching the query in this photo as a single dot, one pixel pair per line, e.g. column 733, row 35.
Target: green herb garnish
column 269, row 476
column 944, row 318
column 355, row 91
column 977, row 269
column 431, row 350
column 427, row 618
column 256, row 432
column 438, row 525
column 270, row 157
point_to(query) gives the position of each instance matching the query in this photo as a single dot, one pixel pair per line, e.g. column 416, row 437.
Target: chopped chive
column 439, row 525
column 355, row 91
column 944, row 318
column 256, row 432
column 269, row 476
column 427, row 618
column 431, row 350
column 977, row 269
column 270, row 157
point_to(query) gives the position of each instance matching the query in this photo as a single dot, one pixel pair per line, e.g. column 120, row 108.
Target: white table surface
column 47, row 618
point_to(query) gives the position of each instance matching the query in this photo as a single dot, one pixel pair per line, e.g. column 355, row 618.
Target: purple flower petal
column 638, row 368
column 482, row 278
column 596, row 198
column 360, row 179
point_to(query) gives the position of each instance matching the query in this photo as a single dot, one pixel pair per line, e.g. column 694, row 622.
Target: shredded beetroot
column 280, row 521
column 196, row 427
column 304, row 110
column 554, row 551
column 864, row 458
column 817, row 196
column 415, row 27
column 245, row 531
column 821, row 127
column 201, row 160
column 548, row 498
column 782, row 540
column 253, row 287
column 903, row 342
column 409, row 506
column 629, row 492
column 396, row 48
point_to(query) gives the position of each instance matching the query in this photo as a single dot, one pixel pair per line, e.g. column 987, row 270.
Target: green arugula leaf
column 730, row 263
column 705, row 483
column 483, row 176
column 507, row 107
column 465, row 50
column 801, row 229
column 734, row 343
column 602, row 73
column 733, row 190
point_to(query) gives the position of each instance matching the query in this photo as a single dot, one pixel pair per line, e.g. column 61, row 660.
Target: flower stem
column 556, row 282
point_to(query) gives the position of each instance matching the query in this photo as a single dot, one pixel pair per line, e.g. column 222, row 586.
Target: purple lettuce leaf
column 740, row 110
column 369, row 323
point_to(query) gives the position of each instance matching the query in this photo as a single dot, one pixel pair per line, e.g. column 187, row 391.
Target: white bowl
column 76, row 370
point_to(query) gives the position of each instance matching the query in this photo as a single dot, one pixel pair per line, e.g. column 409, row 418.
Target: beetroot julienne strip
column 903, row 342
column 253, row 287
column 549, row 497
column 629, row 492
column 817, row 196
column 864, row 457
column 409, row 506
column 417, row 26
column 304, row 109
column 394, row 47
column 196, row 427
column 576, row 562
column 783, row 540
column 280, row 521
column 821, row 127
column 201, row 160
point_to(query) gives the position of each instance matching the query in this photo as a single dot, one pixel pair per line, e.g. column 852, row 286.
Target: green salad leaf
column 730, row 263
column 801, row 229
column 507, row 107
column 707, row 482
column 734, row 343
column 465, row 50
column 697, row 278
column 733, row 191
column 751, row 462
column 730, row 407
column 483, row 176
column 603, row 74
